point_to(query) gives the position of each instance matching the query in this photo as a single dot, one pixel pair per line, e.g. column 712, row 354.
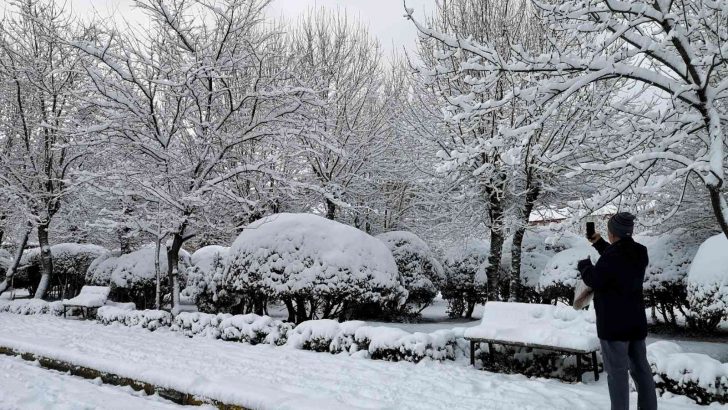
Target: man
column 621, row 321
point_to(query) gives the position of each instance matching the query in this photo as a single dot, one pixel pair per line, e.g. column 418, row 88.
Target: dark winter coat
column 617, row 282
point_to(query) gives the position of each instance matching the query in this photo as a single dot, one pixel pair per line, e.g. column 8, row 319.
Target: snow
column 290, row 253
column 90, row 296
column 547, row 325
column 25, row 385
column 669, row 359
column 266, row 377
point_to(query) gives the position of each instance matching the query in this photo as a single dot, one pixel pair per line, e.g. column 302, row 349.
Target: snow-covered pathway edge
column 111, row 378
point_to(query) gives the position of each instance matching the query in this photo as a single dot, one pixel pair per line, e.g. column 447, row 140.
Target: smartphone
column 590, row 230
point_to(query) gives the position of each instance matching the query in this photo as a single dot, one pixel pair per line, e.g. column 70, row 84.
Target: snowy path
column 265, row 377
column 26, row 386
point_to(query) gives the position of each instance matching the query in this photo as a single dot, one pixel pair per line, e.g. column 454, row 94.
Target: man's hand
column 595, row 238
column 583, row 264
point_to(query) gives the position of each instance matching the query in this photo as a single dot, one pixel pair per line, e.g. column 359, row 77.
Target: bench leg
column 596, row 366
column 64, row 312
column 472, row 353
column 578, row 367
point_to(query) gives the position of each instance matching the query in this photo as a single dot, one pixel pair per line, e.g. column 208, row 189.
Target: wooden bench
column 91, row 297
column 556, row 328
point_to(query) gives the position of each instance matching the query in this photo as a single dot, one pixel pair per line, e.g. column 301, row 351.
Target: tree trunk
column 173, row 268
column 496, row 242
column 18, row 255
column 158, row 275
column 719, row 206
column 46, row 261
column 330, row 210
column 300, row 309
column 517, row 244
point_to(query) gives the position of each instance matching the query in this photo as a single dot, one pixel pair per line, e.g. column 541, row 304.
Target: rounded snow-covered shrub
column 205, row 279
column 420, row 272
column 70, row 263
column 694, row 375
column 560, row 275
column 317, row 266
column 708, row 284
column 100, row 270
column 132, row 276
column 538, row 247
column 466, row 281
column 665, row 284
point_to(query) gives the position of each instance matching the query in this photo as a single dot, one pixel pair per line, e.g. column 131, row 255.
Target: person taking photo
column 616, row 280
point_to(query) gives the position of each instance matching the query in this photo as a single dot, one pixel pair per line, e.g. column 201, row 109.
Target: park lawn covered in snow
column 266, row 377
column 25, row 385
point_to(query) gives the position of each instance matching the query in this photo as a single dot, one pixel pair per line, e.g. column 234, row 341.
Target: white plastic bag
column 583, row 295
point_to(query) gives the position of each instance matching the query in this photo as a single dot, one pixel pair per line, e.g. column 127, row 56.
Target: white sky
column 384, row 17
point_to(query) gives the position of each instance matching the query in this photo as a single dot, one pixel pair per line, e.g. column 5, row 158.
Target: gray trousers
column 619, row 358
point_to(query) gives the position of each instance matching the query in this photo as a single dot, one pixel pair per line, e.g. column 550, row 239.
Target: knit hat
column 621, row 224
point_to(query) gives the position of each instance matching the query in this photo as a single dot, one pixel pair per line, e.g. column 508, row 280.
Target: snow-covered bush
column 205, row 279
column 708, row 284
column 695, row 375
column 193, row 324
column 420, row 272
column 560, row 275
column 100, row 270
column 665, row 284
column 538, row 247
column 379, row 343
column 386, row 343
column 132, row 276
column 466, row 282
column 311, row 263
column 31, row 307
column 255, row 329
column 145, row 319
column 325, row 335
column 70, row 263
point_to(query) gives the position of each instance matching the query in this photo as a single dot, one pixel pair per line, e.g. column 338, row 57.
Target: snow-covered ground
column 26, row 386
column 266, row 377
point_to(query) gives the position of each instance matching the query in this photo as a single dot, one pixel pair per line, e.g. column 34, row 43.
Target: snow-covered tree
column 191, row 103
column 474, row 151
column 41, row 79
column 661, row 68
column 348, row 128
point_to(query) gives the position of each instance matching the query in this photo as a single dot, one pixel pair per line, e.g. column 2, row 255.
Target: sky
column 384, row 17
